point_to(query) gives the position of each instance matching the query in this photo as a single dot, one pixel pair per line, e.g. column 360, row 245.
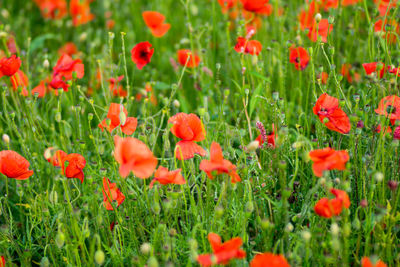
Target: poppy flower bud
column 252, row 146
column 219, row 211
column 331, row 19
column 249, row 207
column 193, row 244
column 226, row 92
column 318, row 17
column 393, row 185
column 289, row 227
column 99, row 257
column 378, row 177
column 152, row 262
column 364, row 203
column 45, row 262
column 156, row 208
column 5, row 13
column 335, row 229
column 122, row 118
column 53, row 197
column 176, row 103
column 46, row 64
column 306, row 235
column 6, row 138
column 83, row 37
column 60, row 239
column 145, row 248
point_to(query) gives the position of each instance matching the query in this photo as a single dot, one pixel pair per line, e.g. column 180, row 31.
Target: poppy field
column 262, row 133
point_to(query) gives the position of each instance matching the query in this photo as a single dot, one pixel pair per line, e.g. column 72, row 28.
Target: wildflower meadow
column 261, row 133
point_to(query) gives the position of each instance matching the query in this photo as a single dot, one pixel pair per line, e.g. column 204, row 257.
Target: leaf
column 258, row 75
column 162, row 86
column 38, row 42
column 254, row 99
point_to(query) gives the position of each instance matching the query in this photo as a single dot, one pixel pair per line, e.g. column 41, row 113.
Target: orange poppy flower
column 269, row 260
column 69, row 49
column 117, row 116
column 386, row 129
column 80, row 12
column 322, row 28
column 327, row 108
column 111, row 193
column 63, row 70
column 43, row 88
column 141, row 54
column 257, row 6
column 372, row 67
column 52, row 9
column 366, row 262
column 163, row 176
column 9, row 65
column 189, row 128
column 19, row 79
column 133, row 155
column 219, row 164
column 14, row 166
column 389, row 106
column 188, row 59
column 252, row 47
column 299, row 57
column 222, row 252
column 328, row 159
column 155, row 21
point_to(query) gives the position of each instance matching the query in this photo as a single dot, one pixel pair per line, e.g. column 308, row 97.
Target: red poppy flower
column 322, row 28
column 69, row 49
column 269, row 260
column 386, row 129
column 111, row 193
column 342, row 196
column 328, row 208
column 347, row 73
column 270, row 138
column 222, row 252
column 188, row 59
column 189, row 128
column 366, row 262
column 2, row 261
column 324, row 77
column 64, row 69
column 299, row 57
column 163, row 176
column 133, row 155
column 141, row 54
column 372, row 67
column 19, row 79
column 117, row 116
column 328, row 159
column 9, row 65
column 252, row 47
column 74, row 169
column 155, row 21
column 52, row 9
column 14, row 166
column 218, row 164
column 257, row 6
column 227, row 4
column 389, row 106
column 331, row 115
column 385, row 5
column 55, row 157
column 116, row 88
column 306, row 17
column 80, row 12
column 43, row 88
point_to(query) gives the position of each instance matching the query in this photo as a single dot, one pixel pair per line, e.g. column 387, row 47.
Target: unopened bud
column 46, row 64
column 252, row 146
column 99, row 257
column 6, row 138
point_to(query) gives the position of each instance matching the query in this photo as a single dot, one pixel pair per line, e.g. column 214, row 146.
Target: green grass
column 50, row 219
